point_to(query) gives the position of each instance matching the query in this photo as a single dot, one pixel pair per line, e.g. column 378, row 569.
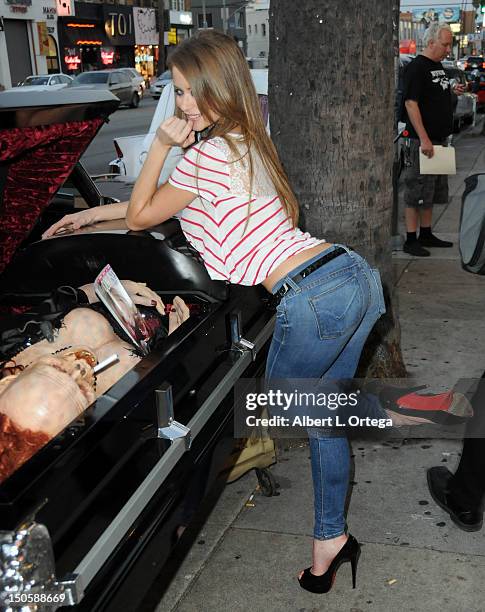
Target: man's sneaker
column 415, row 248
column 433, row 241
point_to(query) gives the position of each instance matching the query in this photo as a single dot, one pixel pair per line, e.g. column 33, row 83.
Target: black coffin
column 108, row 488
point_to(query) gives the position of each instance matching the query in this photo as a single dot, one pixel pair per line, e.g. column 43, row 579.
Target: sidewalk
column 246, row 556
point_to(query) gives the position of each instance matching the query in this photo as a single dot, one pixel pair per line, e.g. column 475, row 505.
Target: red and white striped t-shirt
column 234, row 248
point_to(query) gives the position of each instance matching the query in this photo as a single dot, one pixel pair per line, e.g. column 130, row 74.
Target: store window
column 52, row 58
column 200, row 20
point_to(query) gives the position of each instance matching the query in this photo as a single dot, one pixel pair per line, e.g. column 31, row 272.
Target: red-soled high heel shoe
column 444, row 408
column 350, row 551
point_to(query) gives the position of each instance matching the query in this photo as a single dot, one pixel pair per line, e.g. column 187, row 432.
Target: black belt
column 308, row 270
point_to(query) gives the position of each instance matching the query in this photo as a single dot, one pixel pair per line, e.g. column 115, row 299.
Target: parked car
column 465, row 105
column 37, row 82
column 475, row 62
column 117, row 82
column 159, row 83
column 132, row 150
column 137, row 79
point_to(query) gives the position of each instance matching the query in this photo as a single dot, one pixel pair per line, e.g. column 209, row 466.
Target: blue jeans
column 322, row 324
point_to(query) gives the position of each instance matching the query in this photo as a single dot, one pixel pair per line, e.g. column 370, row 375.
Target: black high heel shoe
column 350, row 551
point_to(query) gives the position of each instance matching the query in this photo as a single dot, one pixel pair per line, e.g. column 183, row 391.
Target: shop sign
column 118, row 24
column 143, row 57
column 145, row 24
column 19, row 6
column 107, row 55
column 43, row 35
column 72, row 61
column 49, row 12
column 172, row 36
column 180, row 18
column 450, row 14
column 64, row 8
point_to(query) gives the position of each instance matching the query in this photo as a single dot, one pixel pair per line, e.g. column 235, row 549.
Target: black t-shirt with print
column 425, row 81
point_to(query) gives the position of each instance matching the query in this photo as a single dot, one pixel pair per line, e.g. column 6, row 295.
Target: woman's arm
column 88, row 216
column 148, row 205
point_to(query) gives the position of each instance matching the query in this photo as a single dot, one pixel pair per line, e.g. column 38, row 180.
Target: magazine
column 114, row 296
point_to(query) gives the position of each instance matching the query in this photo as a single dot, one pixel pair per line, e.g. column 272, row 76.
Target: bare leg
column 324, row 551
column 412, row 217
column 425, row 217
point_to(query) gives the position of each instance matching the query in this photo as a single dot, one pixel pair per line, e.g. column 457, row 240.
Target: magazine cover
column 114, row 296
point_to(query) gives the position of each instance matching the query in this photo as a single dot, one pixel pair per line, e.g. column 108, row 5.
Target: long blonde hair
column 221, row 84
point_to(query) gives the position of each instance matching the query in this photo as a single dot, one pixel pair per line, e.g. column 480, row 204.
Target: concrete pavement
column 246, row 555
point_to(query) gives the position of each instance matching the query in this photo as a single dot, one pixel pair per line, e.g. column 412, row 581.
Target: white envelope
column 442, row 162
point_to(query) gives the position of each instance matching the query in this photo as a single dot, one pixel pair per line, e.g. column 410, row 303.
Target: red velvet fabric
column 39, row 160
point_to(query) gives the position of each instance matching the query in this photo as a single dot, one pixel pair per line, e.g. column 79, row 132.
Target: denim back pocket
column 339, row 308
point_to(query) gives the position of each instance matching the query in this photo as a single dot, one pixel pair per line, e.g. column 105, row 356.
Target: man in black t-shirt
column 428, row 113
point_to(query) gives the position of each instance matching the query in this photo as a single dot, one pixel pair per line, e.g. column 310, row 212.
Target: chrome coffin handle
column 235, row 338
column 168, row 427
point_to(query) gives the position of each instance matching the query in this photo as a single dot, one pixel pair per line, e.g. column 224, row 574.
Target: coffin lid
column 42, row 136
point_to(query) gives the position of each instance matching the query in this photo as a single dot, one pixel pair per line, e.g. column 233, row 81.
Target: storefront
column 181, row 24
column 28, row 39
column 119, row 28
column 49, row 13
column 81, row 41
column 146, row 41
column 99, row 36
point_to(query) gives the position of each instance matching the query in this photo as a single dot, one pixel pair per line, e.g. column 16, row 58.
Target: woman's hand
column 72, row 222
column 175, row 132
column 138, row 292
column 178, row 314
column 143, row 295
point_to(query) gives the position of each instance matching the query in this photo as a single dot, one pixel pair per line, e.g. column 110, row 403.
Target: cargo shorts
column 423, row 190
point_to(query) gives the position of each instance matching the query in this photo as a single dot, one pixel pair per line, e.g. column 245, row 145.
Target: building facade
column 257, row 29
column 228, row 16
column 28, row 39
column 114, row 35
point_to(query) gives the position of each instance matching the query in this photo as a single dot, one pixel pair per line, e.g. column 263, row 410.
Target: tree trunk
column 331, row 99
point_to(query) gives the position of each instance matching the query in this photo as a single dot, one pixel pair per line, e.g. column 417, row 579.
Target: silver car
column 117, row 82
column 41, row 81
column 160, row 82
column 137, row 79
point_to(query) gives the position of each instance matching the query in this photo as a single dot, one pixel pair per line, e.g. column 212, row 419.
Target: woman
column 237, row 209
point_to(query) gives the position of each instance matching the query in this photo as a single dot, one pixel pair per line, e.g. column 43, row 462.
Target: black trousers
column 467, row 487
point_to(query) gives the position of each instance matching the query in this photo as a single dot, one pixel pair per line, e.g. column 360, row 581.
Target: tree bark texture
column 331, row 100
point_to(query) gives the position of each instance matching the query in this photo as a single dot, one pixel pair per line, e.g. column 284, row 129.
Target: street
column 125, row 122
